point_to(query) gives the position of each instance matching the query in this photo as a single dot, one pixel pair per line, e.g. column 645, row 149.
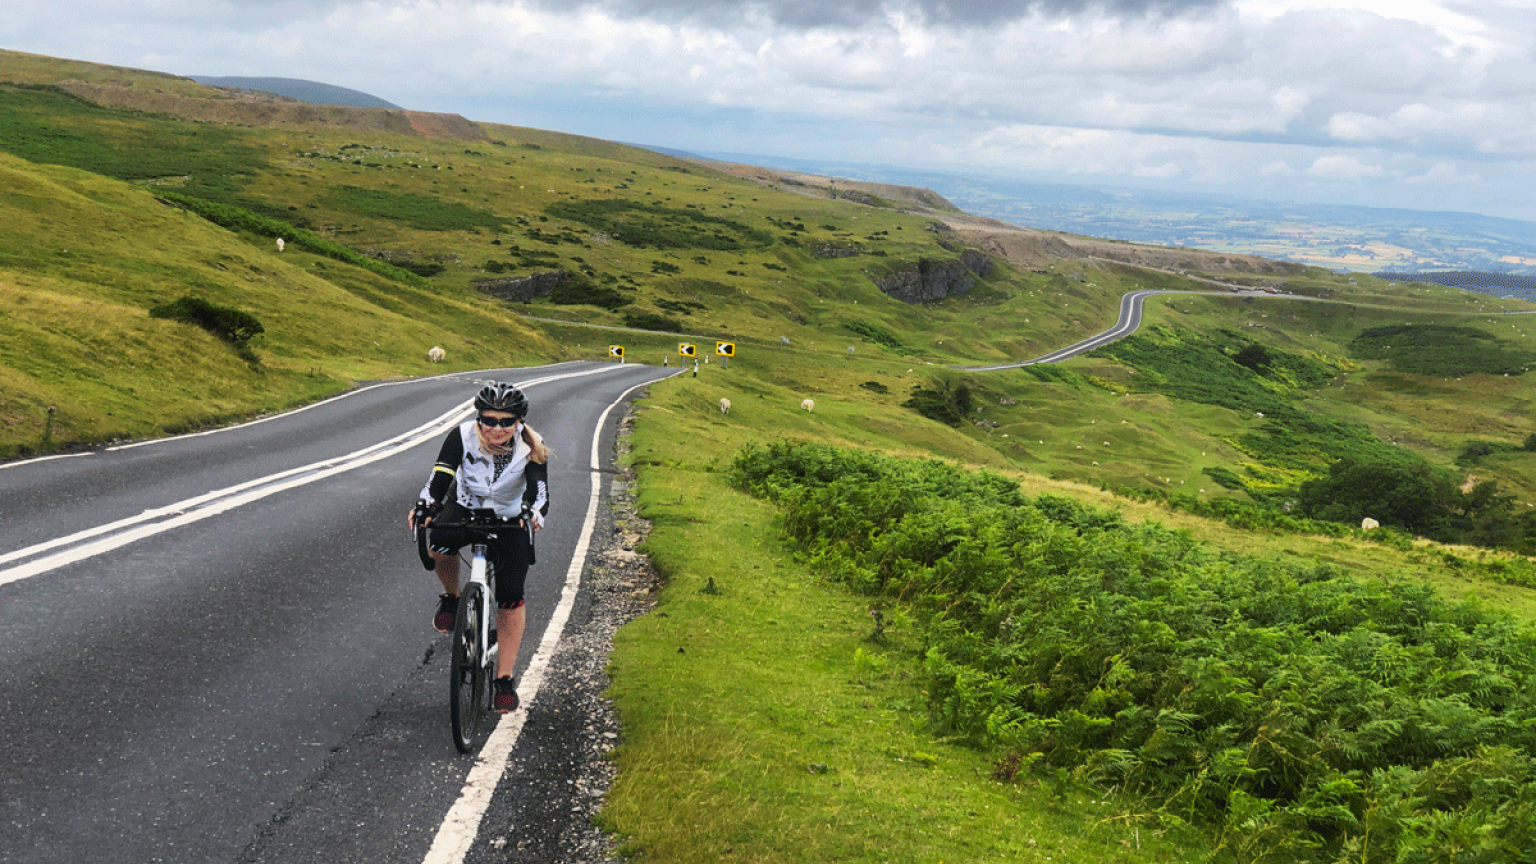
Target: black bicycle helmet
column 502, row 397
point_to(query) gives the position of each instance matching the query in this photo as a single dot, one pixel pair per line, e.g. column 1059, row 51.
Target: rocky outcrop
column 521, row 289
column 935, row 279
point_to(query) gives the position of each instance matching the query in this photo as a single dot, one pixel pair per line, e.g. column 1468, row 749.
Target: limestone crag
column 934, row 279
column 521, row 289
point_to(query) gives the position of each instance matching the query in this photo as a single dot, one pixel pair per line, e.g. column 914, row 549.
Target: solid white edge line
column 457, row 834
column 48, row 458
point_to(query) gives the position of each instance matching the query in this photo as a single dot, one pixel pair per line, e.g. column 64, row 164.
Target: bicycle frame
column 473, row 659
column 480, row 572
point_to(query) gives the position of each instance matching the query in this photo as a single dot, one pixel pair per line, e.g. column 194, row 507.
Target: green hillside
column 1253, row 425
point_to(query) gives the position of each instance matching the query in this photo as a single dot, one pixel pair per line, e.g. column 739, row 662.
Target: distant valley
column 1343, row 238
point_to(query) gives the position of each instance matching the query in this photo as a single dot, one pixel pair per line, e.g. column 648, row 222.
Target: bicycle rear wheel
column 469, row 684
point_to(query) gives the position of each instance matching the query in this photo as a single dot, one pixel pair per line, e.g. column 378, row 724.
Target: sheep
column 809, row 404
column 1368, row 523
column 279, row 244
column 725, row 405
column 437, row 354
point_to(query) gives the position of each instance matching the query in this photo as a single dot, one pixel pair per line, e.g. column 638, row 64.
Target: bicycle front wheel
column 469, row 684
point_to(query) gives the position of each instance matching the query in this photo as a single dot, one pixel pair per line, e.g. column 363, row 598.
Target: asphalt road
column 1128, row 322
column 217, row 647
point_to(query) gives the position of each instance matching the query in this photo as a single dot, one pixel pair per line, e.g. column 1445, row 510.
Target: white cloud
column 1444, row 173
column 1165, row 171
column 1342, row 167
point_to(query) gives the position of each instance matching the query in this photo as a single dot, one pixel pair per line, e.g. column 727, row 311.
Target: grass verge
column 764, row 722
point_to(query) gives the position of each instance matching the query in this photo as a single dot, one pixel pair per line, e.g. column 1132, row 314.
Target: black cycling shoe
column 503, row 695
column 447, row 613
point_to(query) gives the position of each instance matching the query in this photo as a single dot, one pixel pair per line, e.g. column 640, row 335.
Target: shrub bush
column 652, row 321
column 577, row 292
column 231, row 325
column 878, row 335
column 946, row 401
column 1443, row 350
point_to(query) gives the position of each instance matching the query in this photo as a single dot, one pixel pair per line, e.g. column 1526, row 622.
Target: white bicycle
column 472, row 666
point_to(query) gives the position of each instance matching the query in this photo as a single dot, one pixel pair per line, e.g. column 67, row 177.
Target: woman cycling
column 502, row 464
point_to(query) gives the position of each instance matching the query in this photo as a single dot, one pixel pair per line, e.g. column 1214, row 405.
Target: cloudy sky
column 1428, row 104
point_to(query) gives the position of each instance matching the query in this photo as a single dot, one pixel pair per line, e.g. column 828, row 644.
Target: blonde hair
column 540, row 453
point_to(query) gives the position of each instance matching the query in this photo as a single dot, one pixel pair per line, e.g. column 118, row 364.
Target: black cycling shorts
column 511, row 552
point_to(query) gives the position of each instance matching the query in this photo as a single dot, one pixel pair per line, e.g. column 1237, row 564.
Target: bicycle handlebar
column 421, row 547
column 484, row 522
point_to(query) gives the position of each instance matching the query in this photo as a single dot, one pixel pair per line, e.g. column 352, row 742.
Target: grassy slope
column 776, row 719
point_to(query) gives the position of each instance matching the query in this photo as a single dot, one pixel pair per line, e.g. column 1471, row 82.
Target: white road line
column 114, row 535
column 457, row 833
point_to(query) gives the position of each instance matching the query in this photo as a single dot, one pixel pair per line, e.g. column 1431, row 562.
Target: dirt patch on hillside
column 233, row 106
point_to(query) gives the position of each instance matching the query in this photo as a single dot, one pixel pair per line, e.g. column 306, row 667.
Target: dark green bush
column 1474, row 452
column 420, row 268
column 946, row 401
column 876, row 334
column 1411, row 495
column 578, row 292
column 1224, row 478
column 1254, row 356
column 231, row 325
column 1443, row 350
column 652, row 321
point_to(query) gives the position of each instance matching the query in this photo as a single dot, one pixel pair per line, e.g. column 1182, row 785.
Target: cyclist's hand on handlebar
column 424, row 511
column 531, row 519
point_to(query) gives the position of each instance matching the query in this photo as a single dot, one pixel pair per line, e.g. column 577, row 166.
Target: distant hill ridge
column 312, row 92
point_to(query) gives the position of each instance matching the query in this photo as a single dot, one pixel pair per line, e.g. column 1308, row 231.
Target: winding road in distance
column 218, row 647
column 1128, row 323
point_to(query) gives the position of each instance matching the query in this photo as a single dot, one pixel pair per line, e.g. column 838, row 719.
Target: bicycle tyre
column 468, row 684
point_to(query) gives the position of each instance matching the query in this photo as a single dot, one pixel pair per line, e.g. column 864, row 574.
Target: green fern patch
column 1284, row 705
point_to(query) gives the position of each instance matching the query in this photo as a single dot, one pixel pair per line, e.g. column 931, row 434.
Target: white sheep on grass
column 725, row 405
column 437, row 354
column 279, row 244
column 1368, row 523
column 809, row 404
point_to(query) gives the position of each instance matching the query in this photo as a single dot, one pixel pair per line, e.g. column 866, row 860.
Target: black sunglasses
column 493, row 422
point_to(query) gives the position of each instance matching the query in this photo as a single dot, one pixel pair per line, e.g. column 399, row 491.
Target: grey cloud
column 964, row 13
